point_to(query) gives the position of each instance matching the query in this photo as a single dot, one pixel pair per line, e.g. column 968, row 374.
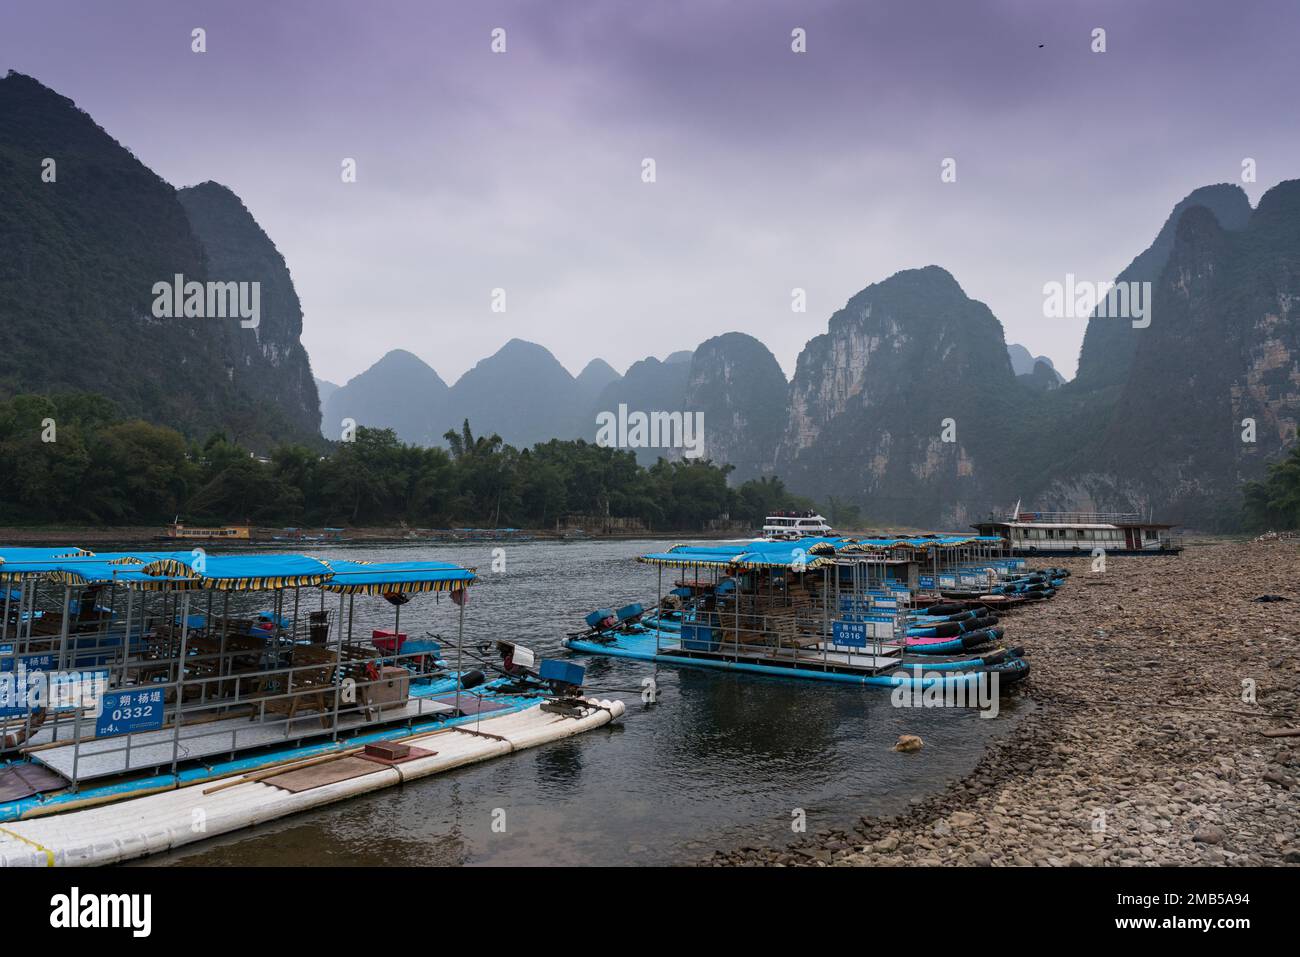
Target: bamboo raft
column 138, row 827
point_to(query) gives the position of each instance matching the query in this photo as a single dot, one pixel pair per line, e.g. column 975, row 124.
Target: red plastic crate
column 389, row 641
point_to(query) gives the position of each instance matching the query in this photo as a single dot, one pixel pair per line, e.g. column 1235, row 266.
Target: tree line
column 72, row 459
column 1273, row 503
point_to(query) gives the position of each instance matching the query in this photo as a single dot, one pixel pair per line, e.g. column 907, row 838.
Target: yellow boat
column 231, row 533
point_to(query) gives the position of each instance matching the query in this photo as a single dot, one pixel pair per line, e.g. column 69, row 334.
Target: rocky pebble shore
column 1154, row 680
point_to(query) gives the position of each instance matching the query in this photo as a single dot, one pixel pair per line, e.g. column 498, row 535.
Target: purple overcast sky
column 775, row 170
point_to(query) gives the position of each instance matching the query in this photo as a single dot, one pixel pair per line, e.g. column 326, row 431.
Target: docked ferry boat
column 1073, row 533
column 789, row 526
column 178, row 531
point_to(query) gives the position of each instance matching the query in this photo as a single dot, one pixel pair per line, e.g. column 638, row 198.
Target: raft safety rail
column 345, row 702
column 775, row 626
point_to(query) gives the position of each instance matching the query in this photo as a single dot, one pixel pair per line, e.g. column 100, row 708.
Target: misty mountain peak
column 598, row 369
column 521, row 392
column 1280, row 205
column 1106, row 355
column 213, row 188
column 1228, row 202
column 1023, row 361
column 738, row 387
column 400, row 392
column 402, row 361
column 524, row 350
column 595, row 376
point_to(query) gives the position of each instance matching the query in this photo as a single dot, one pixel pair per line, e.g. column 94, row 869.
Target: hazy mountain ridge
column 1106, row 356
column 1223, row 347
column 83, row 251
column 268, row 365
column 649, row 385
column 898, row 405
column 594, row 377
column 325, row 389
column 911, row 361
column 399, row 392
column 1025, row 363
column 521, row 392
column 733, row 379
column 911, row 404
column 737, row 386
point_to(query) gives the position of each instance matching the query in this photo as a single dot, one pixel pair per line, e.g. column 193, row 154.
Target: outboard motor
column 565, row 679
column 601, row 619
column 516, row 660
column 630, row 614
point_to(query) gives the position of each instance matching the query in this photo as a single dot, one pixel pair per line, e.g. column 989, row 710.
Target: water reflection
column 560, row 765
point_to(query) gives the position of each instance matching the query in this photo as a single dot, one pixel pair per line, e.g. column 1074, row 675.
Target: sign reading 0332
column 140, row 709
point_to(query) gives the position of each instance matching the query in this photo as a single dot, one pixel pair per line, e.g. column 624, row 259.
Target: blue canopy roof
column 383, row 578
column 808, row 552
column 81, row 571
column 682, row 555
column 98, row 572
column 242, row 572
column 198, row 570
column 141, row 558
column 792, row 555
column 12, row 554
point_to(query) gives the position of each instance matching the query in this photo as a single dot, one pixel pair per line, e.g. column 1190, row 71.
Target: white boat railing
column 1079, row 518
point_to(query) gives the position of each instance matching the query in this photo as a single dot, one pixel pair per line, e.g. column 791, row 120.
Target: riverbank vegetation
column 1274, row 502
column 74, row 459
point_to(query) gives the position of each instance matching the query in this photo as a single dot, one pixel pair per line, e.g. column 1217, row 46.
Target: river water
column 718, row 762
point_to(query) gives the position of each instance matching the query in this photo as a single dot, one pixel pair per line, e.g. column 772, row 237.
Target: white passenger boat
column 790, row 526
